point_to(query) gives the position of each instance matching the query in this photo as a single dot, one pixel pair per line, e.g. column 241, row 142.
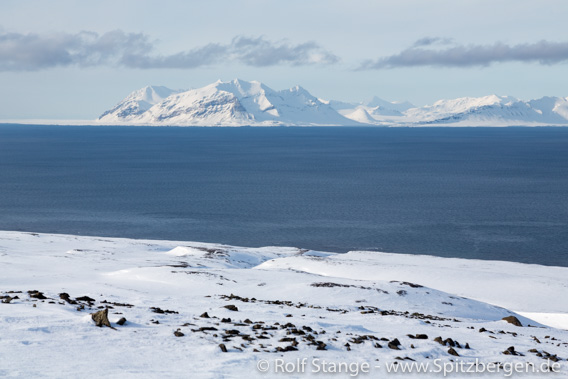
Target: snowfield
column 209, row 310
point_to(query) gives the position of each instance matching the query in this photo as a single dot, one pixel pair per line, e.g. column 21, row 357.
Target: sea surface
column 484, row 193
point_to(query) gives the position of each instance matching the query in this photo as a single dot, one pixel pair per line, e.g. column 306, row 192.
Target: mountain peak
column 236, row 102
column 240, row 102
column 137, row 102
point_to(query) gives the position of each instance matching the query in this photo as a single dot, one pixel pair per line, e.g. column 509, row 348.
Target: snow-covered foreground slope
column 186, row 301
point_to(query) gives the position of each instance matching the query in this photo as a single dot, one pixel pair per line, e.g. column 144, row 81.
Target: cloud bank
column 422, row 54
column 30, row 52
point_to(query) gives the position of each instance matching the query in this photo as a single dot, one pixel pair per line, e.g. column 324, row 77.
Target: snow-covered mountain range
column 234, row 103
column 239, row 103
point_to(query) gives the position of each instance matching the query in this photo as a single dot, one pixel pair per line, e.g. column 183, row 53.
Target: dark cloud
column 21, row 52
column 428, row 41
column 542, row 52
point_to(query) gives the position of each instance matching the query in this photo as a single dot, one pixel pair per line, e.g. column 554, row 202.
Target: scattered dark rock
column 481, row 330
column 85, row 298
column 329, row 284
column 418, row 336
column 450, row 342
column 394, row 344
column 122, row 321
column 36, row 295
column 510, row 351
column 321, row 346
column 285, row 349
column 204, row 315
column 223, row 347
column 512, row 320
column 413, row 285
column 117, row 304
column 287, row 339
column 6, row 299
column 231, row 307
column 101, row 318
column 225, row 320
column 178, row 333
column 65, row 296
column 207, row 328
column 451, row 351
column 162, row 311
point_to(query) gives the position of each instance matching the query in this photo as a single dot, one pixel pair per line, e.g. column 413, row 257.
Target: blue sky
column 75, row 59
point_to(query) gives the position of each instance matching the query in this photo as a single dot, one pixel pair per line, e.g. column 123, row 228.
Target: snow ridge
column 243, row 103
column 234, row 103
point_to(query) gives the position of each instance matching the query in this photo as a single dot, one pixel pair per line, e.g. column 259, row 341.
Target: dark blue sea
column 488, row 193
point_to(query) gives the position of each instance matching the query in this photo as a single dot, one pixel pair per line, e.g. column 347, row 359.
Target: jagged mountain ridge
column 238, row 103
column 138, row 102
column 232, row 103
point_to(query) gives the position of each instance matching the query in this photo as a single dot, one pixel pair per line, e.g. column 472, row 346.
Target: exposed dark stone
column 37, row 295
column 207, row 328
column 204, row 315
column 223, row 347
column 117, row 304
column 162, row 311
column 122, row 321
column 418, row 336
column 65, row 296
column 178, row 333
column 512, row 320
column 451, row 351
column 101, row 318
column 287, row 348
column 481, row 330
column 449, row 342
column 85, row 298
column 394, row 344
column 231, row 307
column 287, row 339
column 321, row 346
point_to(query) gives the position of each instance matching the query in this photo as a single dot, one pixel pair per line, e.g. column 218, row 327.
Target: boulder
column 101, row 318
column 512, row 320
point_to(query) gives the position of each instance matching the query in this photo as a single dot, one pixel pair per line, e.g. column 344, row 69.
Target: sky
column 70, row 59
